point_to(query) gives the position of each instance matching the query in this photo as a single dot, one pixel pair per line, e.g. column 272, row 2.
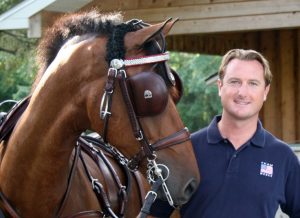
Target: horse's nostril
column 189, row 189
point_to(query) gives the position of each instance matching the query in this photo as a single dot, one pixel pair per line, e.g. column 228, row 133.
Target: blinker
column 169, row 74
column 148, row 93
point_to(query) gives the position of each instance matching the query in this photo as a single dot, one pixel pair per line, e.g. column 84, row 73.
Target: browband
column 118, row 63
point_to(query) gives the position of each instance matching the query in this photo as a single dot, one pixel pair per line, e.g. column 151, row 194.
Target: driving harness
column 97, row 150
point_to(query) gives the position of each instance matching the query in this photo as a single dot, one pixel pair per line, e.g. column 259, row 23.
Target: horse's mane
column 71, row 25
column 84, row 23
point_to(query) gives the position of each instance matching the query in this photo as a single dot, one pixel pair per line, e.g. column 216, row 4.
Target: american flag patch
column 266, row 169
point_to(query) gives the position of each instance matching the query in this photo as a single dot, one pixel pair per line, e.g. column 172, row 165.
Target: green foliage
column 7, row 4
column 200, row 102
column 16, row 75
column 17, row 67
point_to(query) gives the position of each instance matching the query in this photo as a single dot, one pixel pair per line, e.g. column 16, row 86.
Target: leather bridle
column 157, row 174
column 117, row 71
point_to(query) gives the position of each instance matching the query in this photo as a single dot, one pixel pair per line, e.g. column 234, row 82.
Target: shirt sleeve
column 161, row 209
column 292, row 191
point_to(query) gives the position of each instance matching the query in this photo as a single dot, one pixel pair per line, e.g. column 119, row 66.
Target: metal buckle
column 104, row 105
column 153, row 193
column 140, row 137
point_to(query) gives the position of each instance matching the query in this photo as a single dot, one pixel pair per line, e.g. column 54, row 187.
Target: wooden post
column 297, row 87
column 271, row 111
column 287, row 85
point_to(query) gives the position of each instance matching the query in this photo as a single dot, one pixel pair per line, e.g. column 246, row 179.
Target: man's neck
column 237, row 131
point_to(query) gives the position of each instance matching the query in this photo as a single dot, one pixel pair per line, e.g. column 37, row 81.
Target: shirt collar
column 259, row 136
column 214, row 136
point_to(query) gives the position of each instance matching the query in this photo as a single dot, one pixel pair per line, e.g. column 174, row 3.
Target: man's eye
column 253, row 84
column 234, row 82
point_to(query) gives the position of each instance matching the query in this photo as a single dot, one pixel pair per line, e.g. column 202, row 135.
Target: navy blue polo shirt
column 249, row 182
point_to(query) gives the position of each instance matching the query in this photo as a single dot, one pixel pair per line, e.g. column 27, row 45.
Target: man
column 245, row 171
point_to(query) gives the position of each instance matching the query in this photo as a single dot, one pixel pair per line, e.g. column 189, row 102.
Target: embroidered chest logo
column 266, row 169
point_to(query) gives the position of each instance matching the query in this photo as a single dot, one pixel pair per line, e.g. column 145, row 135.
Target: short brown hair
column 246, row 55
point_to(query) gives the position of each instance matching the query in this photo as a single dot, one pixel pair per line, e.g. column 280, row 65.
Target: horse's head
column 128, row 94
column 149, row 92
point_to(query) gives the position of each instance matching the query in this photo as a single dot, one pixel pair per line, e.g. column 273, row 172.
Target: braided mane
column 72, row 25
column 90, row 23
column 78, row 24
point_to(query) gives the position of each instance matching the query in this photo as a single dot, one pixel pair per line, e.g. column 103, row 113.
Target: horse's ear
column 139, row 37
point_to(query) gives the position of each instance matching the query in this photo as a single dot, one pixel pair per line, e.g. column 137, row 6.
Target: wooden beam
column 176, row 3
column 245, row 23
column 206, row 16
column 35, row 26
column 297, row 87
column 271, row 112
column 214, row 44
column 287, row 85
column 112, row 5
column 153, row 12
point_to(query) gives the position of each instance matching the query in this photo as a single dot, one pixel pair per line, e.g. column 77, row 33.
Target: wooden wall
column 215, row 26
column 209, row 16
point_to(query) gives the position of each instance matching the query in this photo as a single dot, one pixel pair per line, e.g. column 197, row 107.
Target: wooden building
column 211, row 27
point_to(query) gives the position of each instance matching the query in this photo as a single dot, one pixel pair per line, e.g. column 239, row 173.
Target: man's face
column 243, row 89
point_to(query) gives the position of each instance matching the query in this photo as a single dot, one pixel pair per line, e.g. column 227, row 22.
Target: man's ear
column 220, row 84
column 267, row 89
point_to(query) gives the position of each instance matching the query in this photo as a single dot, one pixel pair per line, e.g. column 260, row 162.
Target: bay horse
column 102, row 74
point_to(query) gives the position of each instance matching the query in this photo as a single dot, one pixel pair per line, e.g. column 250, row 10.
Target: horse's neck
column 35, row 165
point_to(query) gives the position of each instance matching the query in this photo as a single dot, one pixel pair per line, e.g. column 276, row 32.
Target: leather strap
column 139, row 179
column 109, row 88
column 98, row 190
column 137, row 131
column 6, row 207
column 150, row 198
column 101, row 160
column 69, row 184
column 176, row 138
column 86, row 214
column 12, row 118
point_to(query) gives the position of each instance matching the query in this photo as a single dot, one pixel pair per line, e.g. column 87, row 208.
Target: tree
column 17, row 66
column 200, row 102
column 5, row 5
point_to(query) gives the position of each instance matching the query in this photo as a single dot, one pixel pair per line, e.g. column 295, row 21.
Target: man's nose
column 243, row 89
